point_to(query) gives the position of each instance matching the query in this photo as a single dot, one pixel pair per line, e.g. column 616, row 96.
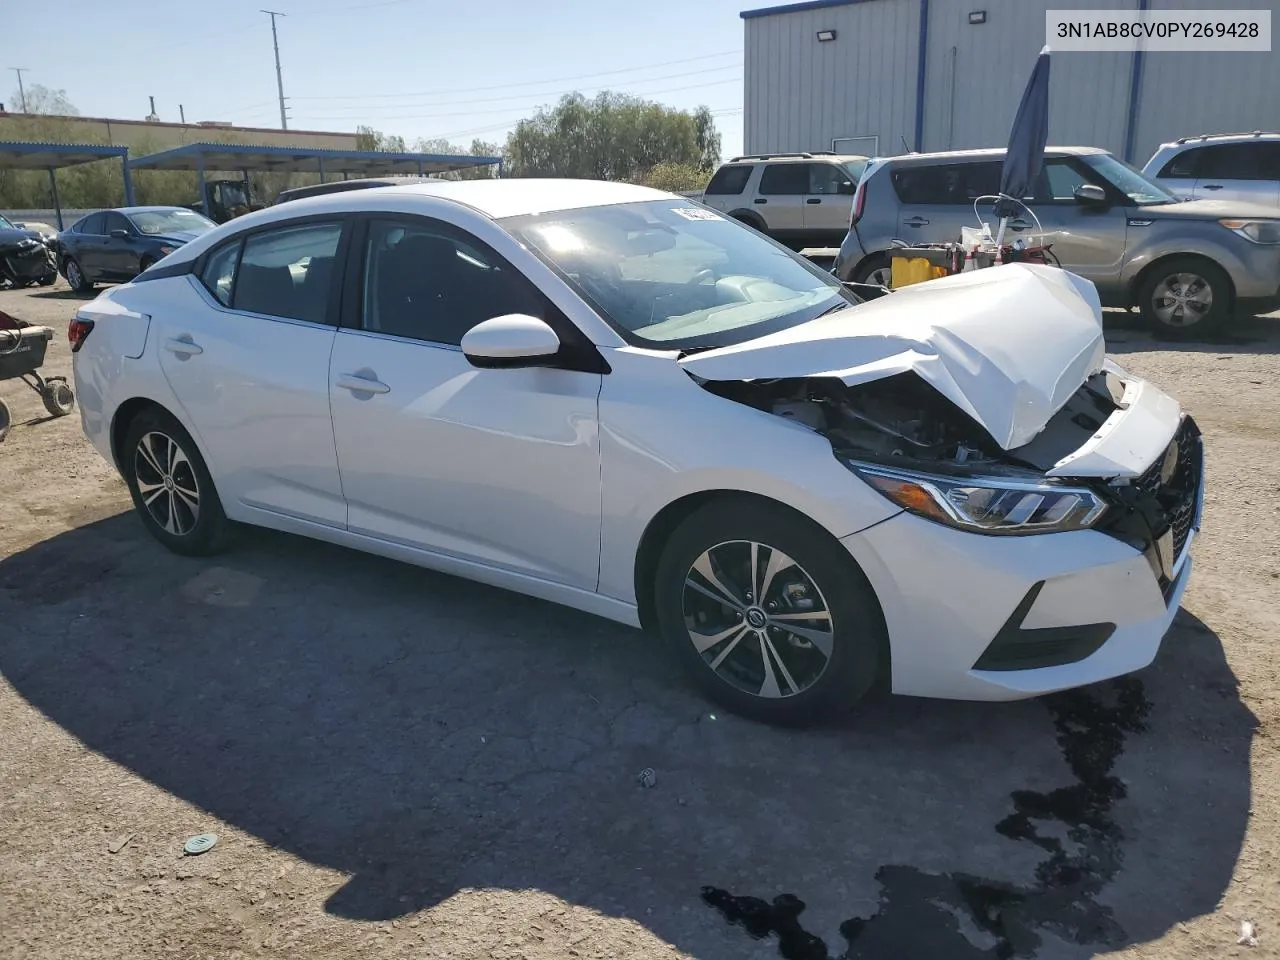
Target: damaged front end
column 1104, row 461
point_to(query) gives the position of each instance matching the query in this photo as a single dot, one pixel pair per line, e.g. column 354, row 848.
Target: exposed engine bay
column 903, row 420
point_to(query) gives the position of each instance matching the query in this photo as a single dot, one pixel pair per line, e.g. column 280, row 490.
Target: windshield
column 1129, row 181
column 160, row 222
column 4, row 221
column 667, row 273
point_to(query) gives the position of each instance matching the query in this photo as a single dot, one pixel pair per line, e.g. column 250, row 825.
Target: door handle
column 1018, row 224
column 761, row 200
column 183, row 346
column 1213, row 186
column 358, row 384
column 814, row 200
column 915, row 222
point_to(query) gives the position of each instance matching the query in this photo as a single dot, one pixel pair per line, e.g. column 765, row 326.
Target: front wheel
column 171, row 486
column 1185, row 298
column 768, row 613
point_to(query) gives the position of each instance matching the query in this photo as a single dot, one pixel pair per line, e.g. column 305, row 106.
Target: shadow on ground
column 426, row 734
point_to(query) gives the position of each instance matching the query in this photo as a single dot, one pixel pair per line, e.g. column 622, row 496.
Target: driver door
column 499, row 467
column 1088, row 241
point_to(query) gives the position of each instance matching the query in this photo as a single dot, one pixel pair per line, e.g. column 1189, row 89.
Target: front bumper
column 947, row 595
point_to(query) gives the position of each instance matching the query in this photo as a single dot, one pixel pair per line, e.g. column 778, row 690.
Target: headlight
column 990, row 505
column 1259, row 231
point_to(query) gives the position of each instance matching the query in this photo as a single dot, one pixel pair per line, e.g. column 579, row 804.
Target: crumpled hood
column 1007, row 345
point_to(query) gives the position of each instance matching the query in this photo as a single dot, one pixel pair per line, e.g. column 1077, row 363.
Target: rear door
column 1178, row 175
column 249, row 362
column 780, row 199
column 936, row 200
column 1237, row 171
column 829, row 202
column 89, row 247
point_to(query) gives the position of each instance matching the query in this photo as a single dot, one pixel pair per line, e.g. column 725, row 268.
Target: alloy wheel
column 73, row 274
column 881, row 276
column 757, row 619
column 1182, row 299
column 167, row 483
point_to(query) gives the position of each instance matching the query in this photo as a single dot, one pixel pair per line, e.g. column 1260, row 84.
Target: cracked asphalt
column 402, row 764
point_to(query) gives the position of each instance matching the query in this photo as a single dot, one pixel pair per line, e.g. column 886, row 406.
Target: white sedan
column 616, row 399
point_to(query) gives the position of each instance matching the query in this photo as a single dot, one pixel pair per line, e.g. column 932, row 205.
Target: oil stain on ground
column 918, row 913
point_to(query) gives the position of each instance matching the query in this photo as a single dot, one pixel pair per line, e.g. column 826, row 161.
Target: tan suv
column 800, row 199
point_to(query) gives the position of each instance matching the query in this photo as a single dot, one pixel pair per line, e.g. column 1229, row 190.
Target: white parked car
column 622, row 401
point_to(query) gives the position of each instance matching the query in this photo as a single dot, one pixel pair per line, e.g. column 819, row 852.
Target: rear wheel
column 768, row 613
column 58, row 397
column 875, row 269
column 171, row 486
column 1185, row 298
column 76, row 278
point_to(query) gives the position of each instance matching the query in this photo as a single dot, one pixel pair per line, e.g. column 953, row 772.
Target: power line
column 541, row 97
column 530, row 83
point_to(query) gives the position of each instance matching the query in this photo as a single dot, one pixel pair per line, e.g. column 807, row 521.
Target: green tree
column 368, row 138
column 612, row 136
column 676, row 177
column 43, row 100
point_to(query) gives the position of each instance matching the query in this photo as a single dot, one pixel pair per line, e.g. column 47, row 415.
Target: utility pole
column 284, row 123
column 22, row 94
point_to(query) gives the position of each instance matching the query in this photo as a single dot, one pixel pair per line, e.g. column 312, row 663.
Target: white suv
column 800, row 199
column 1227, row 166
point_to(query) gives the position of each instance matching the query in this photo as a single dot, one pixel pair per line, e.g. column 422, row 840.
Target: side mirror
column 1091, row 195
column 847, row 188
column 515, row 340
column 119, row 234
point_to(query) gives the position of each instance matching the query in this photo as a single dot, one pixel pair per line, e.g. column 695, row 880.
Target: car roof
column 1209, row 139
column 156, row 208
column 793, row 158
column 991, row 153
column 496, row 199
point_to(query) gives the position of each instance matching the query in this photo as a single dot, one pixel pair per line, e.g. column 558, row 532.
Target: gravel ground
column 402, row 764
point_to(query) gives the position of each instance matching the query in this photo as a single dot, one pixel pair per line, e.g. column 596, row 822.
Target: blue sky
column 418, row 68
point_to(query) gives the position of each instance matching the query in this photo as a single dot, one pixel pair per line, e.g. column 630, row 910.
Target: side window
column 825, row 178
column 288, row 272
column 429, row 281
column 1232, row 161
column 219, row 272
column 1063, row 178
column 959, row 183
column 729, row 180
column 1269, row 164
column 1185, row 166
column 115, row 221
column 92, row 224
column 785, row 179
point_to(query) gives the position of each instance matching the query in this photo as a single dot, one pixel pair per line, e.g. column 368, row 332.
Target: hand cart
column 22, row 350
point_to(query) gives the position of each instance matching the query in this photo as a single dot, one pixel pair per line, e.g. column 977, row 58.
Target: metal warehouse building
column 867, row 76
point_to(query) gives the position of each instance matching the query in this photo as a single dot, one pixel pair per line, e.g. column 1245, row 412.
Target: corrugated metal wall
column 1184, row 94
column 976, row 74
column 800, row 94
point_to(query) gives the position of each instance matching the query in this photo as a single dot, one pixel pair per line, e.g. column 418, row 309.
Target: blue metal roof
column 797, row 7
column 16, row 155
column 240, row 156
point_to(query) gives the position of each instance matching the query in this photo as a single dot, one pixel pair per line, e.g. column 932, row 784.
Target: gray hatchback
column 1187, row 265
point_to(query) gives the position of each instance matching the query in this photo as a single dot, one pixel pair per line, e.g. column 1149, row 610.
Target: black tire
column 866, row 271
column 1186, row 298
column 145, row 264
column 58, row 397
column 6, row 420
column 751, row 220
column 197, row 532
column 75, row 276
column 805, row 685
column 48, row 280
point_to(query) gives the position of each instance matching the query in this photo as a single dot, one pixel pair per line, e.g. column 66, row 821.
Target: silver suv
column 1224, row 166
column 800, row 199
column 1187, row 265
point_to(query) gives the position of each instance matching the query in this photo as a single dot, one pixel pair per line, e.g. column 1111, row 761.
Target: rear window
column 92, row 224
column 959, row 183
column 729, row 180
column 1233, row 161
column 1185, row 165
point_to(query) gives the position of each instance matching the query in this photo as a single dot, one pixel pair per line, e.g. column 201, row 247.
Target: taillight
column 78, row 332
column 859, row 200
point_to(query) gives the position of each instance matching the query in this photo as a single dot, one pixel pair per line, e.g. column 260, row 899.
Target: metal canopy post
column 419, row 168
column 57, row 204
column 320, row 164
column 128, row 180
column 204, row 193
column 501, row 164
